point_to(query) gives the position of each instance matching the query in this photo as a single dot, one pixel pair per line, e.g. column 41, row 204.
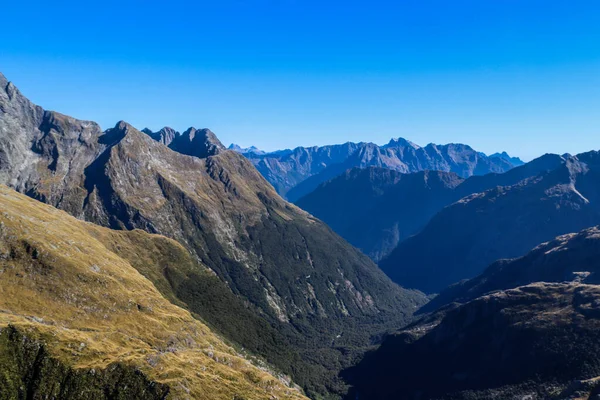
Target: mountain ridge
column 74, row 308
column 295, row 173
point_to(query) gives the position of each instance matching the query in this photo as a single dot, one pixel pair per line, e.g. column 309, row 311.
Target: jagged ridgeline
column 282, row 285
column 78, row 320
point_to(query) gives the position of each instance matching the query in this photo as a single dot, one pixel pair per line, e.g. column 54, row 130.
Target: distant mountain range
column 295, row 173
column 527, row 328
column 377, row 208
column 245, row 150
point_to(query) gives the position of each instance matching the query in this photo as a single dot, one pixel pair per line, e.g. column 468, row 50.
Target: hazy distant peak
column 401, row 142
column 516, row 161
column 245, row 150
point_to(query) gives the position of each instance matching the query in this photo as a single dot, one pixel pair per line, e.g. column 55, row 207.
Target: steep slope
column 461, row 240
column 296, row 173
column 525, row 328
column 286, row 288
column 377, row 208
column 538, row 341
column 574, row 256
column 77, row 320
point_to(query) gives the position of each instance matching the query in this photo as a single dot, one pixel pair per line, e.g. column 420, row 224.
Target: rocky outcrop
column 198, row 143
column 165, row 136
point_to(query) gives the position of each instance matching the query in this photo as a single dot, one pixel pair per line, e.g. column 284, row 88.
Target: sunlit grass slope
column 64, row 287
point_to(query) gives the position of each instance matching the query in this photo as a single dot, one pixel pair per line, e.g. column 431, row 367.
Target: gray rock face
column 165, row 136
column 297, row 172
column 198, row 143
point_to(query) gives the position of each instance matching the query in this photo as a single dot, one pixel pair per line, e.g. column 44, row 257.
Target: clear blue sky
column 515, row 75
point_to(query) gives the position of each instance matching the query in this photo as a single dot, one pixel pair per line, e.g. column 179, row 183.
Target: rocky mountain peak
column 401, row 142
column 122, row 126
column 199, row 143
column 165, row 136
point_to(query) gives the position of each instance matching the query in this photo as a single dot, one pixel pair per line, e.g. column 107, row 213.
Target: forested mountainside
column 283, row 285
column 526, row 328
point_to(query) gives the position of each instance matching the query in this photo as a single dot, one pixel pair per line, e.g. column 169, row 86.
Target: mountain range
column 377, row 208
column 269, row 277
column 162, row 265
column 295, row 173
column 502, row 222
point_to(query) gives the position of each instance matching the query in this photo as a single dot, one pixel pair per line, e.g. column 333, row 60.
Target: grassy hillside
column 63, row 290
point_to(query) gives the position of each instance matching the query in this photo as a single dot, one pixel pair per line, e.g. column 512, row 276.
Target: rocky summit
column 281, row 284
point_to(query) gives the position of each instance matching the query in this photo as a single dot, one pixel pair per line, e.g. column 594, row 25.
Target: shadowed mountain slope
column 566, row 258
column 538, row 341
column 376, row 208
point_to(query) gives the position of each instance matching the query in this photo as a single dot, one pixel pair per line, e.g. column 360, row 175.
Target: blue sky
column 521, row 76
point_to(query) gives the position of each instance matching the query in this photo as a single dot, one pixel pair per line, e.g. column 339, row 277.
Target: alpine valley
column 142, row 264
